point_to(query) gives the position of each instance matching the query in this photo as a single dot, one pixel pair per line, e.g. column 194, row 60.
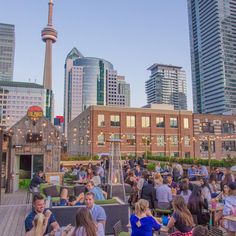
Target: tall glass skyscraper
column 167, row 85
column 7, row 51
column 213, row 55
column 90, row 81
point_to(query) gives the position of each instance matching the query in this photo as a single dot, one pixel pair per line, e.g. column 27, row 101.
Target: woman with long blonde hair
column 39, row 226
column 142, row 222
column 182, row 218
column 158, row 180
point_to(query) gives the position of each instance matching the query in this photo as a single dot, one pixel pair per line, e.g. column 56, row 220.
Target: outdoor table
column 230, row 217
column 80, row 181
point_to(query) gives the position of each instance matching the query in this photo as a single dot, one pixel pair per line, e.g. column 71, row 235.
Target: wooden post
column 9, row 186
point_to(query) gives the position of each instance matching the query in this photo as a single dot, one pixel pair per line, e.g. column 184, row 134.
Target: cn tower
column 49, row 36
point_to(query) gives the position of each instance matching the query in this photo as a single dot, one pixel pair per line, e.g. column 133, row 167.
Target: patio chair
column 118, row 229
column 31, row 191
column 215, row 232
column 78, row 189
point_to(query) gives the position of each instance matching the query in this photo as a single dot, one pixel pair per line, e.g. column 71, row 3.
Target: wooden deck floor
column 13, row 210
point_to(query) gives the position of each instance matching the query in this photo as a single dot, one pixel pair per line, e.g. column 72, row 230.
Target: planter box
column 66, row 215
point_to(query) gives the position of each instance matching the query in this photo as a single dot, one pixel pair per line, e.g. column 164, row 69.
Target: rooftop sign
column 35, row 112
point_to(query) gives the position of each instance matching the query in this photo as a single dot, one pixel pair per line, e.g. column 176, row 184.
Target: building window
column 160, row 122
column 227, row 128
column 146, row 140
column 186, row 141
column 145, row 121
column 101, row 139
column 130, row 121
column 131, row 140
column 228, row 146
column 173, row 122
column 174, row 140
column 115, row 120
column 187, row 154
column 207, row 127
column 204, row 146
column 115, row 136
column 101, row 120
column 186, row 123
column 160, row 154
column 175, row 154
column 160, row 141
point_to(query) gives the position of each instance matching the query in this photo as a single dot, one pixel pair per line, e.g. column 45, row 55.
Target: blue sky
column 131, row 34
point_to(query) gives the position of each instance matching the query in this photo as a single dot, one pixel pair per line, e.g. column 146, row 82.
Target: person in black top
column 37, row 180
column 131, row 163
column 141, row 162
column 198, row 207
column 39, row 207
column 148, row 192
column 181, row 219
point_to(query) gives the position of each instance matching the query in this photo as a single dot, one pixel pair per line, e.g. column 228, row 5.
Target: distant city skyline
column 131, row 34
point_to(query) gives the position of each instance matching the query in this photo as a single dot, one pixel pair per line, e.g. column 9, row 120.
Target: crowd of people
column 188, row 198
column 90, row 220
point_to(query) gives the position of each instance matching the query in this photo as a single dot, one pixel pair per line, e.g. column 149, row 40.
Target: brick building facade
column 159, row 130
column 216, row 132
column 142, row 130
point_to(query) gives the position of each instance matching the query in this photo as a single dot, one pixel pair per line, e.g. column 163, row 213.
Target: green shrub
column 151, row 166
column 24, row 183
column 227, row 162
column 83, row 158
column 68, row 176
column 107, row 201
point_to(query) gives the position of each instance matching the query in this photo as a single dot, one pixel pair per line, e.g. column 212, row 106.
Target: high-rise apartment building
column 167, row 85
column 91, row 81
column 213, row 55
column 118, row 91
column 16, row 98
column 7, row 51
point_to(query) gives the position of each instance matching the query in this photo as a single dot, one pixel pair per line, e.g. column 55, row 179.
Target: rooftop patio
column 13, row 210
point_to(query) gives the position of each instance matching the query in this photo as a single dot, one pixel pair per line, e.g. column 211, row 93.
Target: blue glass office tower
column 95, row 71
column 85, row 83
column 91, row 81
column 213, row 55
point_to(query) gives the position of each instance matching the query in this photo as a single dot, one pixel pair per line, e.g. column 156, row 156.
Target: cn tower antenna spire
column 49, row 36
column 50, row 12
